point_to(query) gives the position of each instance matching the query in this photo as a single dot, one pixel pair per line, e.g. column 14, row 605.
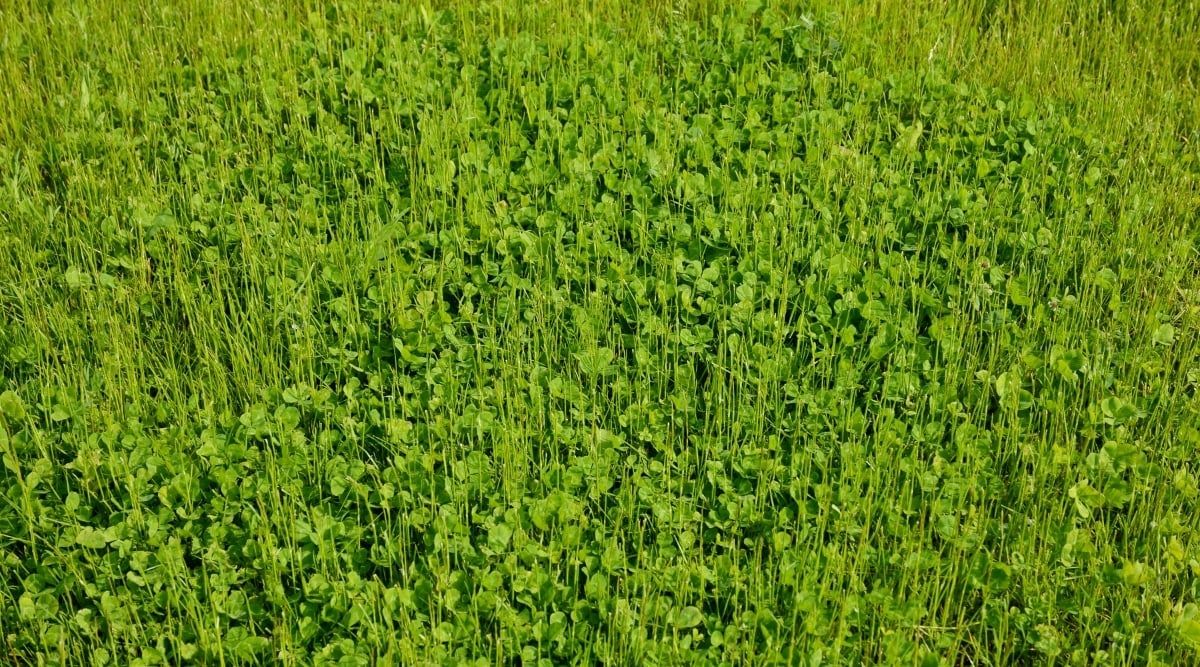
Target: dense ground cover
column 553, row 334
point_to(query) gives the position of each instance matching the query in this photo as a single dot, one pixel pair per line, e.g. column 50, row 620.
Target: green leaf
column 499, row 536
column 983, row 167
column 910, row 138
column 1000, row 577
column 947, row 526
column 1007, row 384
column 90, row 538
column 76, row 279
column 1118, row 411
column 883, row 342
column 1105, row 279
column 245, row 646
column 1136, row 573
column 12, row 406
column 595, row 362
column 1019, row 291
column 1086, row 498
column 1068, row 363
column 688, row 617
column 1122, row 453
column 39, row 606
column 1164, row 334
column 1117, row 492
column 288, row 417
column 26, row 607
column 1187, row 626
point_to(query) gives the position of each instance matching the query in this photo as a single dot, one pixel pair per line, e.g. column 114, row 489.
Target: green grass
column 599, row 333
